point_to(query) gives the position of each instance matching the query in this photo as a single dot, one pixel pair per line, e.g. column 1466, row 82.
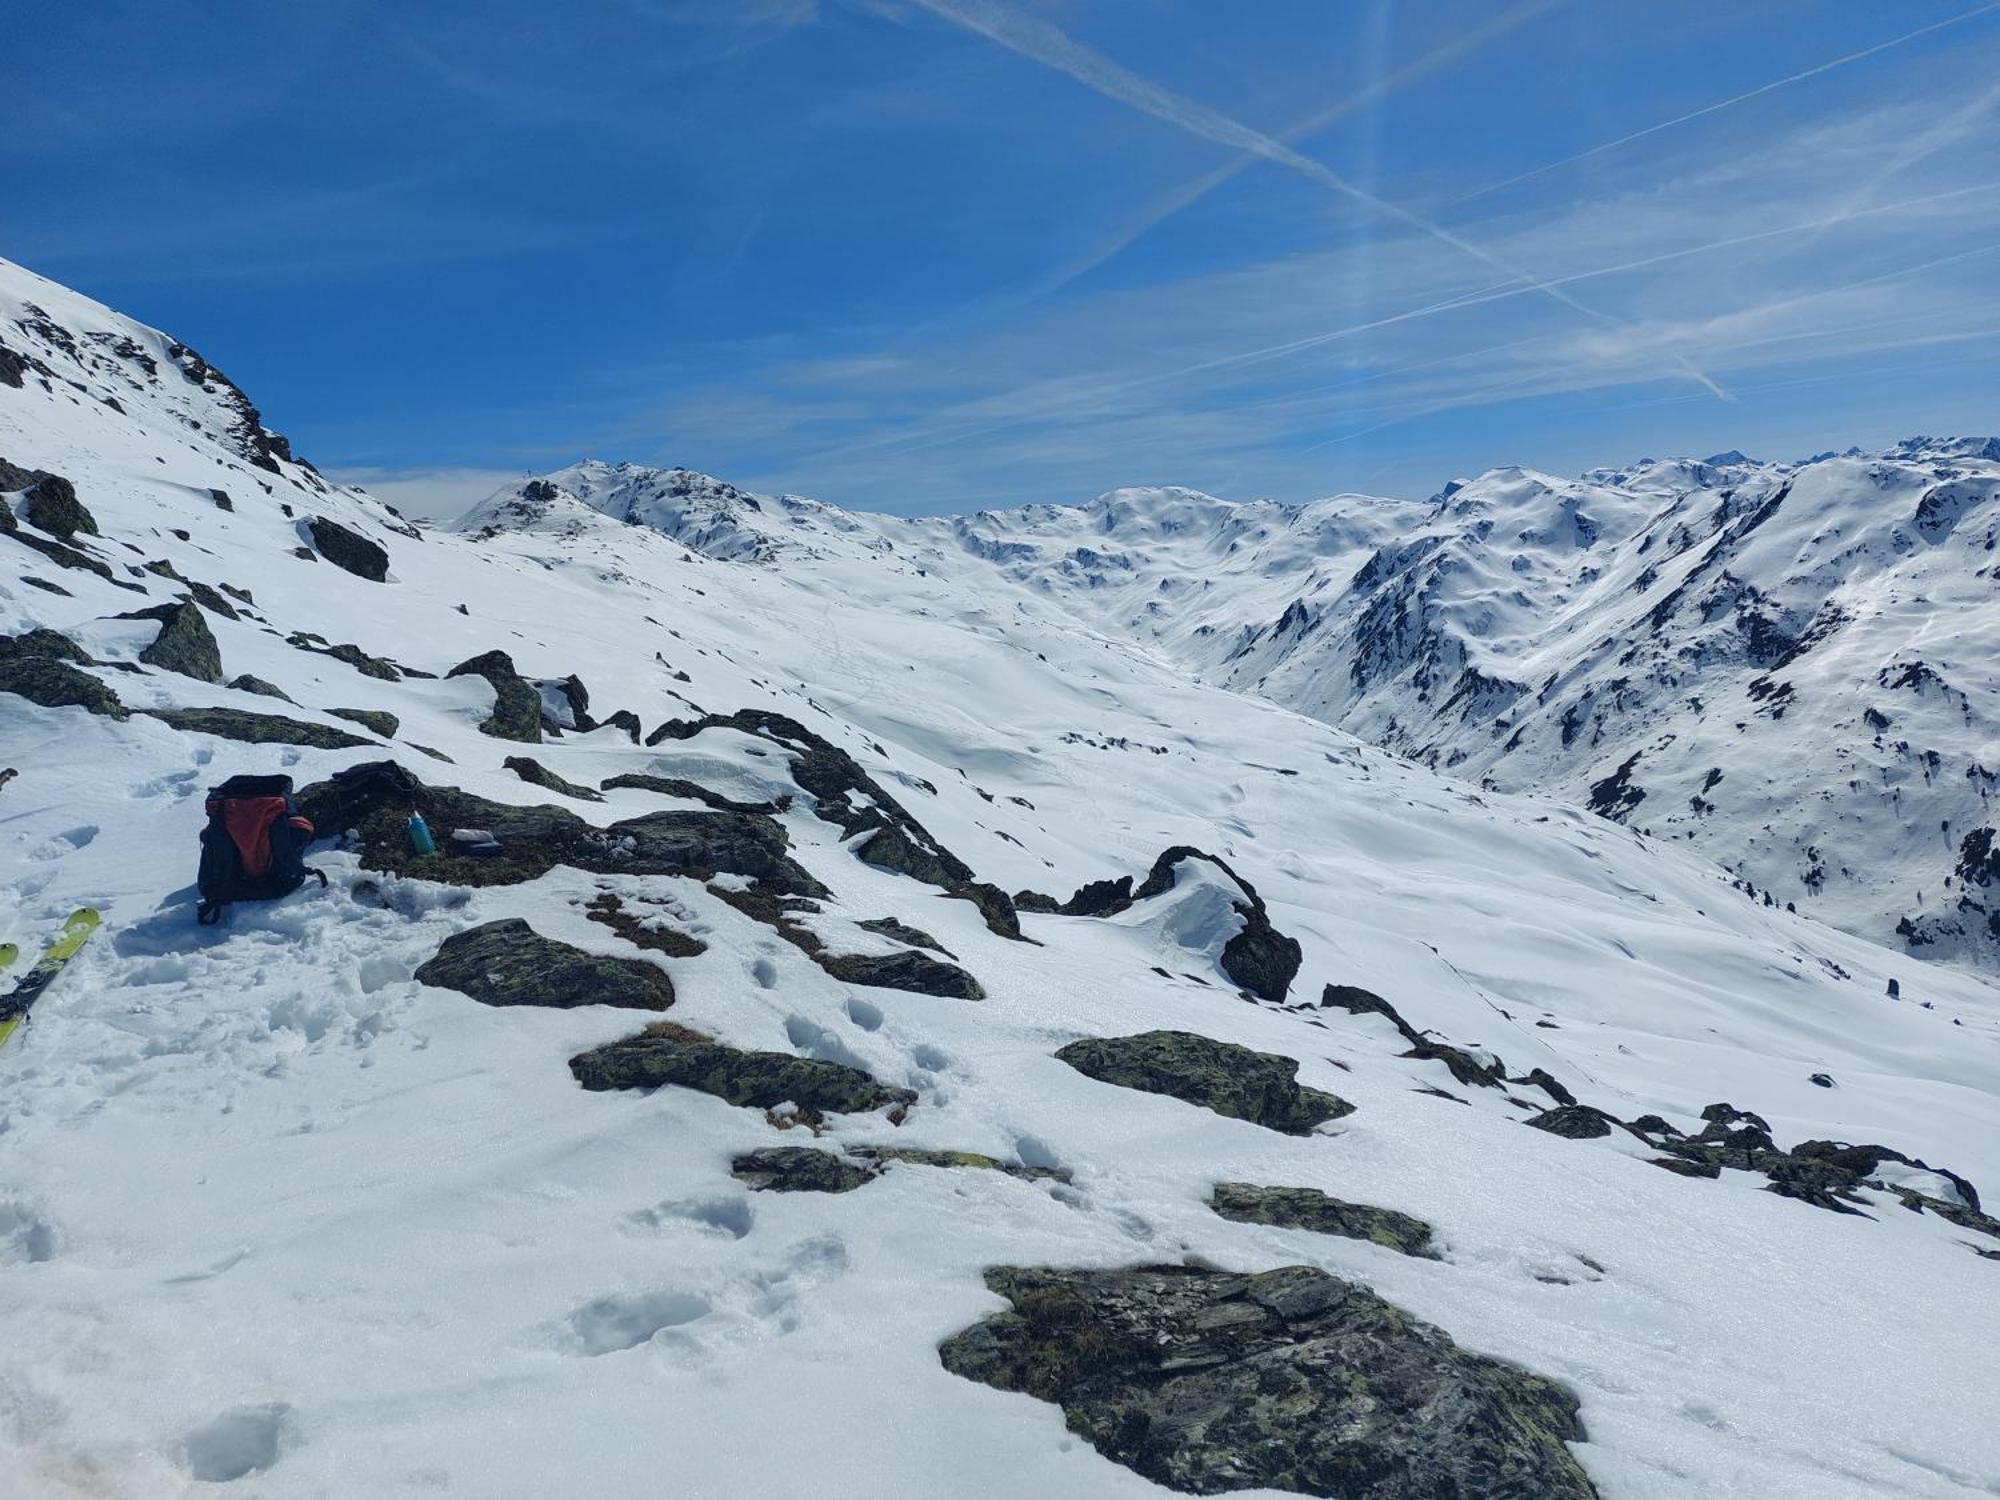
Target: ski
column 75, row 933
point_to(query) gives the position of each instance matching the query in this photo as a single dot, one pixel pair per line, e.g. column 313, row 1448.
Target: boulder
column 349, row 549
column 918, row 972
column 669, row 1054
column 41, row 642
column 50, row 505
column 692, row 791
column 517, row 707
column 1260, row 1087
column 57, row 684
column 1576, row 1122
column 1205, row 1381
column 184, row 645
column 508, row 963
column 1308, row 1208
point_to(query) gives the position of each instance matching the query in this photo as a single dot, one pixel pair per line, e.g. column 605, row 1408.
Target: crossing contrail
column 1039, row 41
column 1735, row 99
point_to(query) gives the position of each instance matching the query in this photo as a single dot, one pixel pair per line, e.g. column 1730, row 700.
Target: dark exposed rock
column 65, row 556
column 57, row 684
column 368, row 666
column 669, row 1054
column 807, row 1169
column 50, row 505
column 1099, row 898
column 693, row 791
column 221, row 499
column 1260, row 1087
column 184, row 645
column 922, row 1156
column 902, row 932
column 1465, row 1067
column 623, row 719
column 848, row 797
column 248, row 684
column 578, row 698
column 531, row 770
column 517, row 707
column 608, row 910
column 380, row 721
column 1308, row 1208
column 376, row 798
column 799, row 1169
column 348, row 549
column 255, row 729
column 1206, row 1381
column 1576, row 1122
column 1038, row 902
column 902, row 971
column 42, row 642
column 1686, row 1168
column 1548, row 1085
column 995, row 908
column 508, row 963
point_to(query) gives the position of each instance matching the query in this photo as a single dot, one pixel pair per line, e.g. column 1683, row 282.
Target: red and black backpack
column 254, row 846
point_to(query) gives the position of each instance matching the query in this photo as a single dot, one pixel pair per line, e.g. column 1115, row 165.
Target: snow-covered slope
column 1792, row 668
column 275, row 1213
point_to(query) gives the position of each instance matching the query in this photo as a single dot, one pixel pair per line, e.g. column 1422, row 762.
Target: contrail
column 1926, row 143
column 1735, row 99
column 1192, row 192
column 1038, row 41
column 1498, row 292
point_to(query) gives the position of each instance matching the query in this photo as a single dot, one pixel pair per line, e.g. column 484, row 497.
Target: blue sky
column 932, row 255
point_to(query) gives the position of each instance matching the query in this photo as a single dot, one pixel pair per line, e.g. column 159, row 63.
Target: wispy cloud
column 1735, row 99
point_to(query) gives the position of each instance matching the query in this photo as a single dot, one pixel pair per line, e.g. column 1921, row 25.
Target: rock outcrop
column 1308, row 1208
column 1207, row 1381
column 1260, row 1087
column 668, row 1054
column 508, row 963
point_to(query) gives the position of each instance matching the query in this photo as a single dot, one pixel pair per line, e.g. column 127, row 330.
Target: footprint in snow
column 26, row 1237
column 625, row 1320
column 242, row 1441
column 726, row 1214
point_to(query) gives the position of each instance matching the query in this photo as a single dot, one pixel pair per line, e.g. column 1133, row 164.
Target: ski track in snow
column 275, row 1216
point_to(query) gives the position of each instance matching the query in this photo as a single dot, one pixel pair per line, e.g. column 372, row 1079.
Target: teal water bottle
column 420, row 835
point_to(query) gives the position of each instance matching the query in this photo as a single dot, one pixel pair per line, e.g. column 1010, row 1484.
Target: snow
column 275, row 1216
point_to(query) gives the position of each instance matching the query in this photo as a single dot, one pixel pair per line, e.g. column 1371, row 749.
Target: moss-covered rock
column 532, row 770
column 1308, row 1208
column 922, row 1156
column 380, row 668
column 184, row 645
column 51, row 644
column 256, row 729
column 692, row 791
column 902, row 932
column 348, row 549
column 50, row 505
column 508, row 963
column 380, row 721
column 916, row 972
column 57, row 684
column 799, row 1169
column 517, row 707
column 245, row 683
column 1260, row 1087
column 668, row 1054
column 1576, row 1122
column 1206, row 1381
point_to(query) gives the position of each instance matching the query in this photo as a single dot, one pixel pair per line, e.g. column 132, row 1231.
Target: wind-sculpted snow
column 274, row 1212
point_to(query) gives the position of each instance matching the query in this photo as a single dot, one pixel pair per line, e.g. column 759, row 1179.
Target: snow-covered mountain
column 1056, row 1072
column 1794, row 668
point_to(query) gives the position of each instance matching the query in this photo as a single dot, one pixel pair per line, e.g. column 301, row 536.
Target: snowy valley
column 1125, row 998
